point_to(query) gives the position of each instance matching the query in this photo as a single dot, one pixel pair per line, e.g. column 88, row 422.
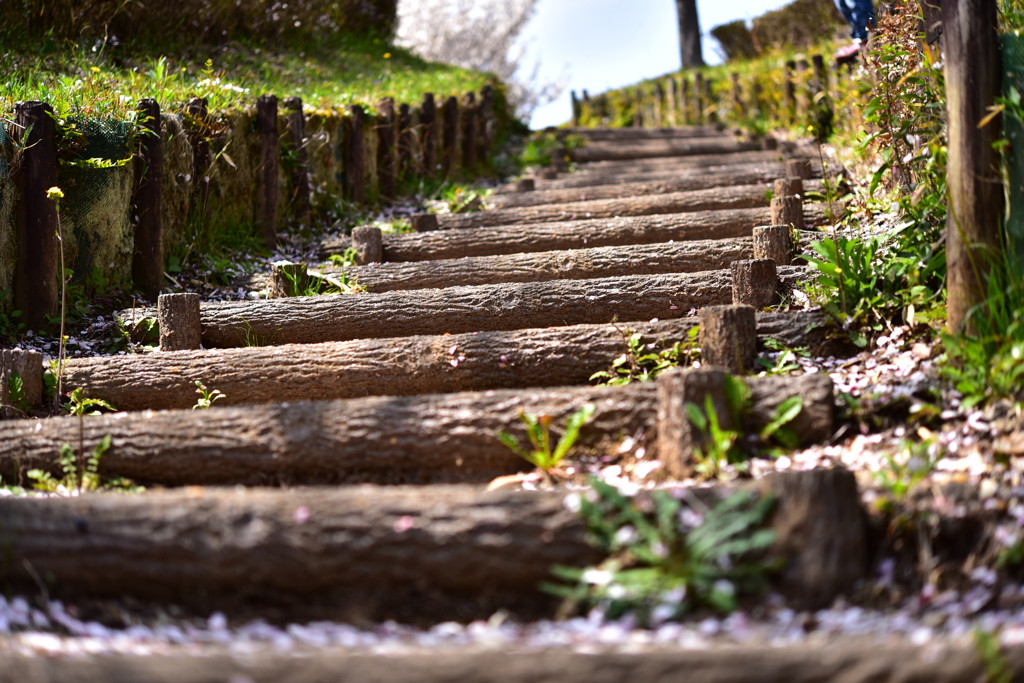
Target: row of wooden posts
column 403, row 149
column 684, row 103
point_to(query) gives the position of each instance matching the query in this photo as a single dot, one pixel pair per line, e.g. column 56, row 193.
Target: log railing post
column 428, row 134
column 659, row 98
column 148, row 255
column 469, row 124
column 178, row 316
column 754, row 282
column 671, row 103
column 973, row 81
column 789, row 94
column 737, row 95
column 451, row 135
column 300, row 170
column 386, row 172
column 576, row 109
column 406, row 141
column 698, row 97
column 684, row 104
column 709, row 98
column 36, row 278
column 677, row 435
column 485, row 126
column 199, row 135
column 638, row 108
column 355, row 164
column 728, row 337
column 266, row 176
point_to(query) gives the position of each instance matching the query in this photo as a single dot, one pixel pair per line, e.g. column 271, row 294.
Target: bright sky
column 602, row 44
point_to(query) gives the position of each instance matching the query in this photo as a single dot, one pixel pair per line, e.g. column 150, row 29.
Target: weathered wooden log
column 296, row 120
column 37, row 267
column 678, row 163
column 728, row 337
column 424, row 222
column 714, row 199
column 387, row 168
column 699, row 101
column 366, row 239
column 788, row 211
column 267, row 172
column 199, row 130
column 468, row 137
column 666, row 185
column 450, row 140
column 421, row 439
column 768, row 143
column 773, row 242
column 18, row 366
column 798, row 168
column 526, row 185
column 514, row 239
column 647, row 149
column 148, row 254
column 365, row 552
column 406, row 141
column 355, row 160
column 789, row 90
column 678, row 436
column 405, row 366
column 802, row 663
column 485, row 127
column 428, row 134
column 465, row 309
column 571, row 264
column 789, row 187
column 755, row 282
column 180, row 327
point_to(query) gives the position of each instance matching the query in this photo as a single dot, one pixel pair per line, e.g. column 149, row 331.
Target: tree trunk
column 689, row 34
column 652, row 149
column 308, row 320
column 714, row 199
column 516, row 239
column 407, row 366
column 420, row 439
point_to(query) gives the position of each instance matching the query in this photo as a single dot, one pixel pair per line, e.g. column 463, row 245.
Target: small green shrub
column 538, row 431
column 643, row 362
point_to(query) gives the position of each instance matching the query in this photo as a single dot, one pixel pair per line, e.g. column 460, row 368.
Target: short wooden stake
column 755, row 282
column 178, row 316
column 773, row 242
column 671, row 103
column 428, row 134
column 300, row 174
column 199, row 135
column 485, row 126
column 798, row 168
column 684, row 103
column 424, row 222
column 369, row 245
column 698, row 97
column 788, row 211
column 526, row 185
column 28, row 365
column 820, row 82
column 549, row 174
column 266, row 175
column 36, row 278
column 290, row 279
column 659, row 97
column 406, row 140
column 789, row 92
column 355, row 162
column 677, row 435
column 148, row 255
column 450, row 146
column 737, row 93
column 469, row 131
column 728, row 337
column 386, row 164
column 769, row 144
column 788, row 187
column 709, row 100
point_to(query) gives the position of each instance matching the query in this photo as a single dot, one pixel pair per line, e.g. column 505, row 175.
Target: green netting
column 95, row 213
column 1013, row 77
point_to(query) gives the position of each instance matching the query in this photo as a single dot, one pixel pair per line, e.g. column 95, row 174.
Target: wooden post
column 28, row 366
column 671, row 103
column 737, row 94
column 709, row 99
column 424, row 222
column 798, row 168
column 659, row 98
column 576, row 109
column 677, row 435
column 803, row 96
column 451, row 135
column 789, row 95
column 266, row 174
column 773, row 242
column 638, row 108
column 428, row 134
column 290, row 279
column 368, row 243
column 931, row 20
column 769, row 144
column 406, row 140
column 355, row 163
column 973, row 81
column 788, row 211
column 526, row 185
column 698, row 97
column 788, row 187
column 469, row 131
column 684, row 104
column 728, row 337
column 386, row 166
column 300, row 172
column 178, row 316
column 820, row 82
column 148, row 254
column 485, row 127
column 199, row 135
column 754, row 283
column 36, row 277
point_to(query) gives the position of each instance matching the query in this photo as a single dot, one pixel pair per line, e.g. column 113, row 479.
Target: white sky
column 602, row 44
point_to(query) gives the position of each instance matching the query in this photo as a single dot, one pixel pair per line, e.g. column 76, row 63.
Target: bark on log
column 572, row 264
column 387, row 167
column 424, row 222
column 180, row 322
column 148, row 256
column 516, row 239
column 728, row 337
column 714, row 199
column 421, row 439
column 267, row 171
column 802, row 663
column 788, row 211
column 525, row 185
column 649, row 149
column 355, row 159
column 296, row 120
column 28, row 366
column 773, row 242
column 616, row 168
column 450, row 141
column 677, row 435
column 755, row 282
column 799, row 169
column 366, row 239
column 405, row 366
column 789, row 187
column 634, row 134
column 289, row 279
column 360, row 553
column 428, row 121
column 339, row 317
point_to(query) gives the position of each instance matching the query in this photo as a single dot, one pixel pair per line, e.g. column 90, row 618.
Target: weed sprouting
column 644, row 361
column 207, row 397
column 538, row 431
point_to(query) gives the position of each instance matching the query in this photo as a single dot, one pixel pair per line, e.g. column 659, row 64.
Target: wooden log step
column 675, row 163
column 579, row 234
column 713, row 199
column 663, row 187
column 648, row 149
column 570, row 264
column 628, row 134
column 406, row 366
column 801, row 663
column 513, row 306
column 387, row 440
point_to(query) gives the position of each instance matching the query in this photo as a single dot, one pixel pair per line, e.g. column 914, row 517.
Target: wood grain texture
column 647, row 149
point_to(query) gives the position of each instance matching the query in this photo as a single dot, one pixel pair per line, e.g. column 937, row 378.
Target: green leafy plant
column 77, row 476
column 16, row 394
column 10, row 326
column 645, row 361
column 207, row 397
column 538, row 431
column 997, row 666
column 720, row 445
column 786, row 360
column 660, row 567
column 540, row 149
column 250, row 338
column 904, row 470
column 79, row 404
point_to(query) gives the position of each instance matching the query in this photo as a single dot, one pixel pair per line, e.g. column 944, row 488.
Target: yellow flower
column 839, row 270
column 54, row 193
column 95, row 69
column 387, row 55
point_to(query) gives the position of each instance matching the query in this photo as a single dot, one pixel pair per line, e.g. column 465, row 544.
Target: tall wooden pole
column 973, row 81
column 148, row 255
